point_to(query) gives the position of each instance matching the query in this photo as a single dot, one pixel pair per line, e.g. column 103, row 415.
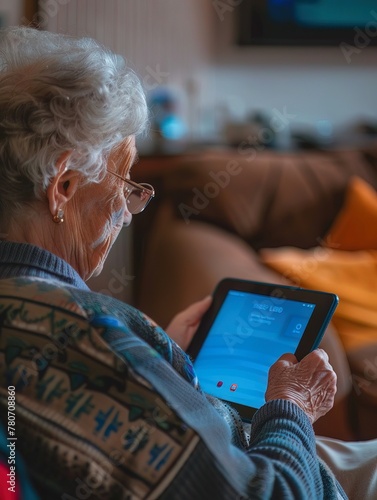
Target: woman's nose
column 127, row 217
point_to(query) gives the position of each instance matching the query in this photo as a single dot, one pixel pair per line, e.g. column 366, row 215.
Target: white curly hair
column 59, row 94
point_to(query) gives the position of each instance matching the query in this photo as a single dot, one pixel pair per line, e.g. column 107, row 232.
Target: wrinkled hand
column 184, row 325
column 310, row 383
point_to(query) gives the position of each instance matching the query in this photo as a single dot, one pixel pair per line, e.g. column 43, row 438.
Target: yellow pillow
column 352, row 275
column 355, row 227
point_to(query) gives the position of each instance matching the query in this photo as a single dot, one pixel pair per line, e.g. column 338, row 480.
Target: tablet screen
column 249, row 333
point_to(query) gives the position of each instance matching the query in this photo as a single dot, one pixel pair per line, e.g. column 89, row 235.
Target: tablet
column 247, row 328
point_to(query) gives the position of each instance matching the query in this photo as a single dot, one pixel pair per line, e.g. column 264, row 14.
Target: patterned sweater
column 117, row 411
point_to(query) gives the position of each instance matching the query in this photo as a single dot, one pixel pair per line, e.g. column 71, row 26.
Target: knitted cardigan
column 120, row 402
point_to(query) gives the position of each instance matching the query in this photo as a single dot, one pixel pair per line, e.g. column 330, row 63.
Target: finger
column 285, row 361
column 319, row 353
column 322, row 353
column 194, row 313
column 291, row 358
column 206, row 302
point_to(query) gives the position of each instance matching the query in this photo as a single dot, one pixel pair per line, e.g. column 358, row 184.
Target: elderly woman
column 69, row 113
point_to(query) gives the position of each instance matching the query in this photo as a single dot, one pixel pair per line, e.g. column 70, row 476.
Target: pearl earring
column 58, row 218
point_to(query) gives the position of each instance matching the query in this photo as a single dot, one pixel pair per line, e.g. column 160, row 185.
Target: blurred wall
column 11, row 11
column 189, row 45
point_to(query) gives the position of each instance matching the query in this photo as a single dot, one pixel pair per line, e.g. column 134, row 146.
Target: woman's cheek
column 104, row 236
column 117, row 218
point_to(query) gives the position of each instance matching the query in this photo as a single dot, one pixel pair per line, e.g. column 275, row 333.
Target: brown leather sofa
column 215, row 210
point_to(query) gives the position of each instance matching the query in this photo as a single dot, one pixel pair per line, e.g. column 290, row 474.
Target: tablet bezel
column 325, row 303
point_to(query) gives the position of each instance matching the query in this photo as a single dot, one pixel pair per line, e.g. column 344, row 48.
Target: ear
column 63, row 186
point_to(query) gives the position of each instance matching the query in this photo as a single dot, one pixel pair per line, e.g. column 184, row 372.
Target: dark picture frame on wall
column 305, row 23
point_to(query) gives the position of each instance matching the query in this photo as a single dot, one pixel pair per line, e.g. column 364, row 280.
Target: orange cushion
column 352, row 275
column 355, row 227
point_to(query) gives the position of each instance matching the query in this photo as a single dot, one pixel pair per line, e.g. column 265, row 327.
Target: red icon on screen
column 233, row 387
column 219, row 383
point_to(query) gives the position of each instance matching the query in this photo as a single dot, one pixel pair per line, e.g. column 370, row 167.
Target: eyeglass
column 137, row 195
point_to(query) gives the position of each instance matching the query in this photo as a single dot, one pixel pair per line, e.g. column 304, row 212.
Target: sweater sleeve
column 282, row 443
column 280, row 461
